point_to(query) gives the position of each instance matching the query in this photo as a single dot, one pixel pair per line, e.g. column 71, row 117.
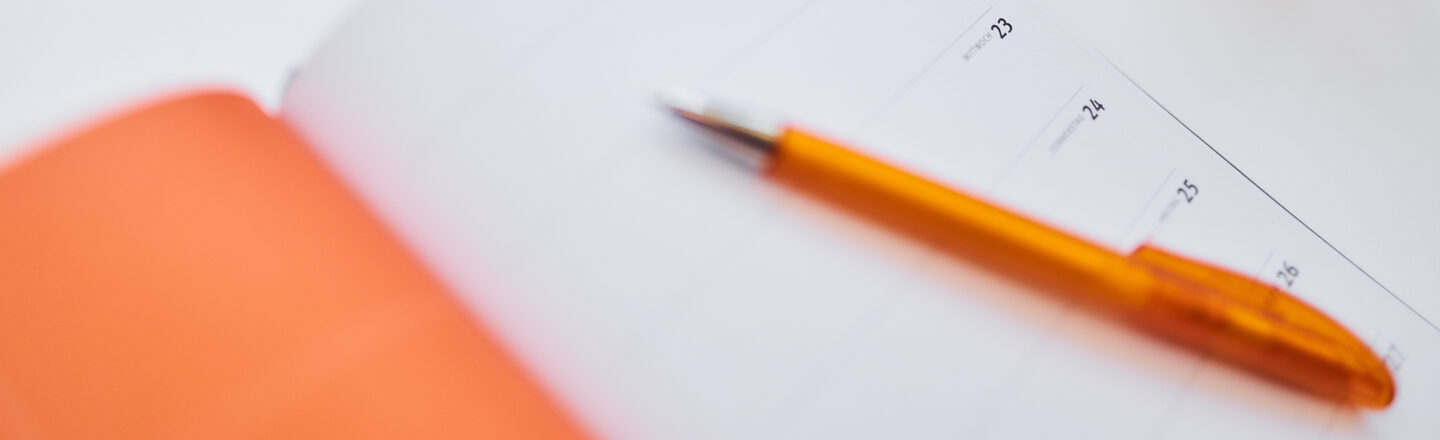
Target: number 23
column 1003, row 32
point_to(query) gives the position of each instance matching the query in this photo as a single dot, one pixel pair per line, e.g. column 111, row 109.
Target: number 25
column 1188, row 191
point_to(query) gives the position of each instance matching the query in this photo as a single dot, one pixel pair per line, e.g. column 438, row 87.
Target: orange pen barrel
column 1246, row 322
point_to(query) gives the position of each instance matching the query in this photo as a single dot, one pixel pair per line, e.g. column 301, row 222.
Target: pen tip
column 681, row 100
column 757, row 132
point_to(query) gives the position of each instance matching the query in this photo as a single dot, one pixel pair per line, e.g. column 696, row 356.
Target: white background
column 1329, row 105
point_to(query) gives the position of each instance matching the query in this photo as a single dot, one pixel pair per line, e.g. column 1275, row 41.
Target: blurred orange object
column 1247, row 322
column 191, row 270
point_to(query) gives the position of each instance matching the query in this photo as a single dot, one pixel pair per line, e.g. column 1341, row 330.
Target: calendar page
column 663, row 293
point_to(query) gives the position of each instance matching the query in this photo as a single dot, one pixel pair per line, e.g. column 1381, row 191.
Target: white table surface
column 1329, row 105
column 64, row 60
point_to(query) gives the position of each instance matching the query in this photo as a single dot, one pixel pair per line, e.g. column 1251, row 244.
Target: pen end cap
column 1375, row 390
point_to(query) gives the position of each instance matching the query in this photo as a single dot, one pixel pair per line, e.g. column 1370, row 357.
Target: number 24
column 1094, row 109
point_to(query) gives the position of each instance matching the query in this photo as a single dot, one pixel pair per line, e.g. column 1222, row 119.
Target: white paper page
column 665, row 293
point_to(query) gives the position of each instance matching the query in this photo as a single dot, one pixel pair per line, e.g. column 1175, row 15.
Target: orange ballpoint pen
column 1251, row 324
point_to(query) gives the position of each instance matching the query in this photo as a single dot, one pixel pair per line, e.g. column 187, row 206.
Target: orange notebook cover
column 190, row 270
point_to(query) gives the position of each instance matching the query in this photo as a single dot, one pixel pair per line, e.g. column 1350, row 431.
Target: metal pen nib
column 750, row 136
